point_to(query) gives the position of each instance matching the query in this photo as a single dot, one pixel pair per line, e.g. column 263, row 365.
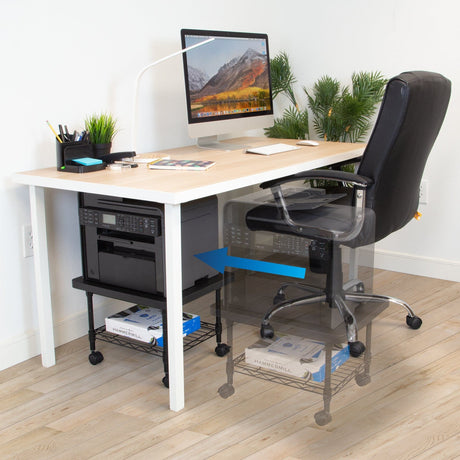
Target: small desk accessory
column 67, row 153
column 188, row 165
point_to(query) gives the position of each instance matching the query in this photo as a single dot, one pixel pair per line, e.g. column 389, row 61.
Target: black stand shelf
column 206, row 331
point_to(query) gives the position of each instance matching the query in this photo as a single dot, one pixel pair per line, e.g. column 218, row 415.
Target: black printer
column 123, row 241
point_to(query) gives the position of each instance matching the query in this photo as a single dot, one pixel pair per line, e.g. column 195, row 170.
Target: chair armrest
column 340, row 176
column 360, row 183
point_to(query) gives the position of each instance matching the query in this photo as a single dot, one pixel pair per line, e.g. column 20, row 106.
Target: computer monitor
column 227, row 84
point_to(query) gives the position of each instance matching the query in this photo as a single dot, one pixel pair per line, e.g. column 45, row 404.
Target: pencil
column 54, row 132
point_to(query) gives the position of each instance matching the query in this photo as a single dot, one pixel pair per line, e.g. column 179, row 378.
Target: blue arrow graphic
column 219, row 259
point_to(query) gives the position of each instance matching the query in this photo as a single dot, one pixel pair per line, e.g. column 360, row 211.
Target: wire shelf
column 206, row 331
column 339, row 378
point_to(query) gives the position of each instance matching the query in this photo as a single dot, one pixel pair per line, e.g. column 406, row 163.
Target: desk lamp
column 139, row 75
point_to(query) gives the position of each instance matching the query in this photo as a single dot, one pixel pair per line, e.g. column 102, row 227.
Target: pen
column 61, row 133
column 54, row 132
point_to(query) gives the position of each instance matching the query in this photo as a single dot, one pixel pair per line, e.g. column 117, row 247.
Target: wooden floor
column 119, row 408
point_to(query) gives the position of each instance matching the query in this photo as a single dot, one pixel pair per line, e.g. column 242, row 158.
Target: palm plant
column 283, row 79
column 345, row 115
column 339, row 113
column 294, row 122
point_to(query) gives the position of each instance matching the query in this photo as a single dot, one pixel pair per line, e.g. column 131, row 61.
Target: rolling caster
column 322, row 418
column 414, row 322
column 95, row 357
column 222, row 349
column 362, row 379
column 165, row 381
column 266, row 331
column 226, row 390
column 356, row 349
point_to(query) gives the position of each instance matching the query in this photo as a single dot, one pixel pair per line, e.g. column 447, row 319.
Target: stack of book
column 295, row 356
column 146, row 324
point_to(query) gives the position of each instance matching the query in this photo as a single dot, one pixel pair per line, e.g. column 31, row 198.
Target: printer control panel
column 122, row 222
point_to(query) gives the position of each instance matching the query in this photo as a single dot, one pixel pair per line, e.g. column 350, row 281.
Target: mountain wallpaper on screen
column 243, row 77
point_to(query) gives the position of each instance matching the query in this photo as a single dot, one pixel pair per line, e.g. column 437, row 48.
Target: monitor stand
column 211, row 142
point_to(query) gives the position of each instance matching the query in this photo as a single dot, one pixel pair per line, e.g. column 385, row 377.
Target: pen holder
column 68, row 151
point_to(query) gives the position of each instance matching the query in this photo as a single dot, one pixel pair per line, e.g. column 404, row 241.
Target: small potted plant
column 102, row 129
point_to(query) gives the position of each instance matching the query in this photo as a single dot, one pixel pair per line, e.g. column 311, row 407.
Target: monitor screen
column 227, row 82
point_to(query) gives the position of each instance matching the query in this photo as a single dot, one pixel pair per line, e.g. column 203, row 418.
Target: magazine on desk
column 189, row 165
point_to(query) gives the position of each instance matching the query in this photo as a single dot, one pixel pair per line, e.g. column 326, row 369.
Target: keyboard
column 272, row 149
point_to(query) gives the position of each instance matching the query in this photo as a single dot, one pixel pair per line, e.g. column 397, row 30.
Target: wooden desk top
column 233, row 170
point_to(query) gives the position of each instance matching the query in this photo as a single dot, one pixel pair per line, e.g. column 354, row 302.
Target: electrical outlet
column 423, row 192
column 27, row 241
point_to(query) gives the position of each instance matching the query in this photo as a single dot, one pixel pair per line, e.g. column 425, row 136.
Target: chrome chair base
column 339, row 302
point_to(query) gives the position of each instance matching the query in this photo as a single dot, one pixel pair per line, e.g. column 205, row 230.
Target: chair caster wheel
column 362, row 379
column 322, row 418
column 356, row 349
column 266, row 331
column 165, row 381
column 226, row 390
column 222, row 349
column 414, row 322
column 95, row 357
column 360, row 287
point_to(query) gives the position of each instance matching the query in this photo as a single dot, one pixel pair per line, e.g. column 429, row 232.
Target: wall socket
column 423, row 192
column 27, row 241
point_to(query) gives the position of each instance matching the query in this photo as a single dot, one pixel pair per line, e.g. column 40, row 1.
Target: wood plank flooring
column 119, row 408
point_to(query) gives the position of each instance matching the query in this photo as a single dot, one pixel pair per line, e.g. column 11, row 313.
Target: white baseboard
column 417, row 265
column 19, row 348
column 27, row 345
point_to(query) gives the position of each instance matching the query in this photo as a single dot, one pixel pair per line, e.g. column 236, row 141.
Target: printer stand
column 206, row 331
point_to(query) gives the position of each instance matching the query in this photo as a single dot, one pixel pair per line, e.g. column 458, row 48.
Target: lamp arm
column 139, row 75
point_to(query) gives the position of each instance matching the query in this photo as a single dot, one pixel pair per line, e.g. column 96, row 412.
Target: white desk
column 233, row 170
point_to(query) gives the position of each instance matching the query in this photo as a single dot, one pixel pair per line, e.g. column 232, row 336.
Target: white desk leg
column 42, row 277
column 173, row 263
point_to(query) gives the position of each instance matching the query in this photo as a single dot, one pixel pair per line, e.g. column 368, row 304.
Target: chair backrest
column 408, row 123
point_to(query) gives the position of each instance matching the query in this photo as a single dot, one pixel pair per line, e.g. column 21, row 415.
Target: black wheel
column 266, row 331
column 414, row 322
column 226, row 390
column 322, row 418
column 356, row 349
column 95, row 357
column 362, row 379
column 360, row 287
column 222, row 349
column 165, row 381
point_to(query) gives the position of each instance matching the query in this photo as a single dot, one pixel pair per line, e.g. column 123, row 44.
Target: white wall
column 64, row 60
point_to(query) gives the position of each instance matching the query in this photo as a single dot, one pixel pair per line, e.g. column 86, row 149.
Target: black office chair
column 385, row 196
